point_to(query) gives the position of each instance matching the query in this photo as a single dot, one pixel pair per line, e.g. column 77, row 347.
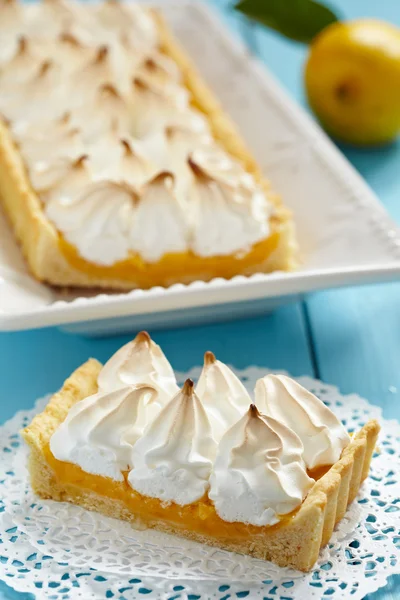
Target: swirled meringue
column 320, row 431
column 120, row 159
column 132, row 22
column 99, row 432
column 20, row 66
column 229, row 209
column 172, row 461
column 259, row 473
column 97, row 221
column 140, row 362
column 153, row 237
column 222, row 393
column 131, row 115
column 155, row 107
column 45, row 176
column 43, row 87
column 107, row 113
column 158, row 68
column 34, row 140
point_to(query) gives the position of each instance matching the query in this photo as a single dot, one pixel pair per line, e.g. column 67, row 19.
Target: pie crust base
column 295, row 541
column 51, row 260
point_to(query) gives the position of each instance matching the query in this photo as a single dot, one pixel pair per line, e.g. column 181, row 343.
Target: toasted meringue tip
column 69, row 38
column 65, row 118
column 101, row 54
column 110, row 90
column 79, row 163
column 143, row 338
column 22, row 45
column 209, row 358
column 197, row 170
column 151, row 63
column 173, row 130
column 188, row 387
column 253, row 411
column 44, row 68
column 161, row 178
column 140, row 83
column 170, row 131
column 128, row 150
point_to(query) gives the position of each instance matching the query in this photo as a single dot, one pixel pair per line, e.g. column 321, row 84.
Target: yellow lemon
column 352, row 79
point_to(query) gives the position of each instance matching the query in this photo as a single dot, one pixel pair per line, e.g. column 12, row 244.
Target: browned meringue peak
column 21, row 65
column 53, row 17
column 106, row 114
column 46, row 79
column 168, row 89
column 163, row 179
column 70, row 51
column 120, row 160
column 69, row 39
column 35, row 140
column 154, row 237
column 158, row 68
column 96, row 72
column 61, row 13
column 110, row 100
column 211, row 164
column 42, row 88
column 70, row 184
column 46, row 176
column 134, row 24
column 155, row 106
column 135, row 168
column 182, row 140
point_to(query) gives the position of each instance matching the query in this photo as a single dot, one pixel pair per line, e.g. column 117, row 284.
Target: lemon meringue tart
column 118, row 167
column 268, row 477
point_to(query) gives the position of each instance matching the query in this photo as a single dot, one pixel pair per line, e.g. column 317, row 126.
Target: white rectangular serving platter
column 346, row 236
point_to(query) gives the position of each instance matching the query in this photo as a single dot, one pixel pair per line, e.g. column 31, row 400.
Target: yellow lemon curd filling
column 173, row 267
column 199, row 516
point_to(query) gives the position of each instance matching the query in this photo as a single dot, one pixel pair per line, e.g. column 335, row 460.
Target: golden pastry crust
column 296, row 542
column 40, row 241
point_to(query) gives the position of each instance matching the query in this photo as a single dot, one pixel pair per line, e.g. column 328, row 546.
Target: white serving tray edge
column 369, row 250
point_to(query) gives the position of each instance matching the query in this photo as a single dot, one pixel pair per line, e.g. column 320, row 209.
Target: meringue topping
column 227, row 210
column 153, row 238
column 222, row 393
column 173, row 459
column 259, row 473
column 139, row 362
column 131, row 114
column 180, row 444
column 108, row 207
column 99, row 432
column 320, row 431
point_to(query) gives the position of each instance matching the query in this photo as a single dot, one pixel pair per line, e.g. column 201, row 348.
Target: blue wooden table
column 350, row 338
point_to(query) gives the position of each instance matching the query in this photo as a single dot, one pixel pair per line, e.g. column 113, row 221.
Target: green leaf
column 298, row 20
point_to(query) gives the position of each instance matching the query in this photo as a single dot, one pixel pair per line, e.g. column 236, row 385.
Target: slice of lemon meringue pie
column 269, row 477
column 118, row 168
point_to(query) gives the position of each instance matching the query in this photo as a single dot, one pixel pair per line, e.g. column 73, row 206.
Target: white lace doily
column 60, row 551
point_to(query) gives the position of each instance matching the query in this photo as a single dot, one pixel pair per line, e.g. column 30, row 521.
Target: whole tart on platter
column 118, row 167
column 269, row 477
